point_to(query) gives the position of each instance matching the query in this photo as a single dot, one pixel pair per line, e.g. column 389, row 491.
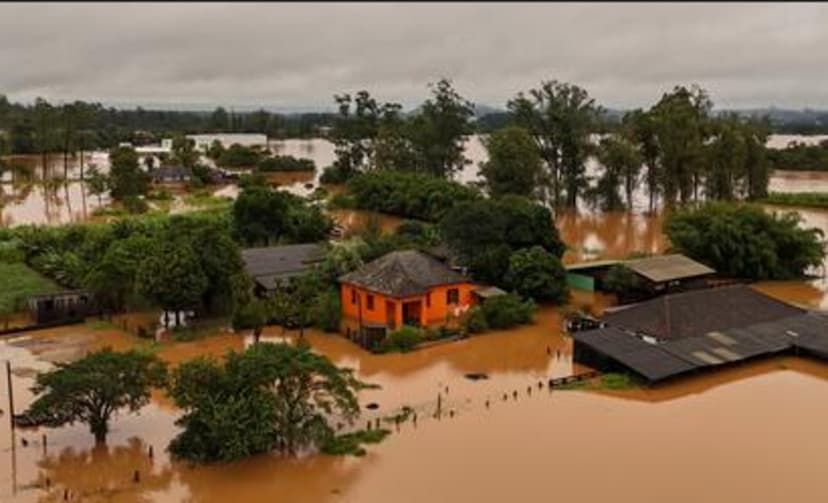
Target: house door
column 412, row 312
column 391, row 314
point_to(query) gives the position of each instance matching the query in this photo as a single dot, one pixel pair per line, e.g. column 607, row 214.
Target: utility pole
column 11, row 395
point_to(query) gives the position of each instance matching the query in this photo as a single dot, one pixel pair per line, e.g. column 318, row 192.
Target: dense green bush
column 507, row 311
column 486, row 232
column 239, row 156
column 745, row 241
column 335, row 175
column 536, row 273
column 328, row 310
column 475, row 321
column 285, row 163
column 409, row 195
column 403, row 339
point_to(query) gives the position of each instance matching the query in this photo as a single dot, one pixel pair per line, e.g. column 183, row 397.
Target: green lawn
column 19, row 282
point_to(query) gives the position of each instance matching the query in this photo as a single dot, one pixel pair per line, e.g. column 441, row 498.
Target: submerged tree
column 270, row 396
column 438, row 132
column 560, row 117
column 92, row 389
column 745, row 241
column 621, row 163
column 126, row 178
column 514, row 165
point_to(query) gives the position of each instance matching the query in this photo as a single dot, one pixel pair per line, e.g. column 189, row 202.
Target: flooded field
column 23, row 202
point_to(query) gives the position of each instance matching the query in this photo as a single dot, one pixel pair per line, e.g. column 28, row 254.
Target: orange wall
column 434, row 311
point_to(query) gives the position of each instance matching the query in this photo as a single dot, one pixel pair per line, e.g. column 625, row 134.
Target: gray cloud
column 301, row 54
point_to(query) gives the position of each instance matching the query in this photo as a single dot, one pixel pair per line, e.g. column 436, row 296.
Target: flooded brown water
column 748, row 433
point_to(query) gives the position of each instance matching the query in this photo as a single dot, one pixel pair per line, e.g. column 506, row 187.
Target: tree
column 172, row 277
column 438, row 132
column 560, row 118
column 514, row 165
column 44, row 120
column 484, row 233
column 354, row 131
column 621, row 162
column 725, row 156
column 126, row 178
column 184, row 152
column 112, row 279
column 98, row 183
column 536, row 273
column 98, row 385
column 219, row 120
column 252, row 315
column 260, row 215
column 680, row 120
column 271, row 396
column 744, row 241
column 641, row 127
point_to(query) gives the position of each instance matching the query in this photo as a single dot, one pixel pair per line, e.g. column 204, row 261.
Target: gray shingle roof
column 402, row 274
column 269, row 265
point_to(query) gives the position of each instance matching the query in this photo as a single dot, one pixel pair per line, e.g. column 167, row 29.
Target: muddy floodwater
column 750, row 433
column 24, row 202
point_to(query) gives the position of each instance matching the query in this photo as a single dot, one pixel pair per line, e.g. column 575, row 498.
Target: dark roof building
column 684, row 332
column 270, row 267
column 403, row 274
column 697, row 312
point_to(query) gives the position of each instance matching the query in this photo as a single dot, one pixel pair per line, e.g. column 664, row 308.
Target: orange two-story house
column 403, row 287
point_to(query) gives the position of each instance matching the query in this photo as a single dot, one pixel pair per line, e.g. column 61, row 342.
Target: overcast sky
column 299, row 55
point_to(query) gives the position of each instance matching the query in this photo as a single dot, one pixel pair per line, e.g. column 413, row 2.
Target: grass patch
column 610, row 381
column 352, row 443
column 19, row 283
column 206, row 200
column 810, row 199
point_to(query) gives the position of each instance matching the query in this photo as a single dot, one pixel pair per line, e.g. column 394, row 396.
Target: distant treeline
column 800, row 156
column 46, row 127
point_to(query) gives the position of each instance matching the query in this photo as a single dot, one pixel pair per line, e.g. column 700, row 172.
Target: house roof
column 805, row 331
column 699, row 312
column 661, row 268
column 270, row 265
column 402, row 274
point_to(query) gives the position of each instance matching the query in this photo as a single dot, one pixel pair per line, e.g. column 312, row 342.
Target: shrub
column 334, row 175
column 403, row 339
column 475, row 321
column 328, row 310
column 285, row 163
column 507, row 311
column 351, row 443
column 238, row 156
column 536, row 273
column 135, row 205
column 410, row 195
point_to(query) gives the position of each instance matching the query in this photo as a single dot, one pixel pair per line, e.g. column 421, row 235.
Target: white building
column 203, row 141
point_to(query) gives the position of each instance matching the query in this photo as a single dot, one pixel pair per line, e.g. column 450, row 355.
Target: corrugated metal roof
column 648, row 360
column 698, row 312
column 661, row 268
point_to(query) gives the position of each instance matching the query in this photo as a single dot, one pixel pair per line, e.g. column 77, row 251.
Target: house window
column 428, row 299
column 452, row 296
column 369, row 302
column 353, row 296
